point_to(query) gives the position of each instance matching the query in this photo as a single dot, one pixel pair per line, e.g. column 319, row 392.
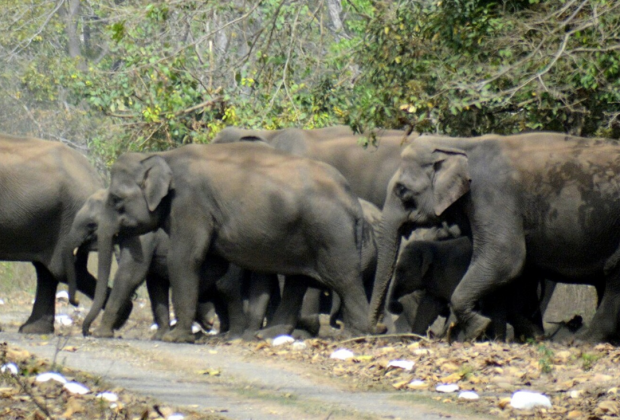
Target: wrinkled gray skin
column 368, row 170
column 420, row 308
column 553, row 197
column 316, row 301
column 254, row 206
column 42, row 186
column 144, row 258
column 437, row 267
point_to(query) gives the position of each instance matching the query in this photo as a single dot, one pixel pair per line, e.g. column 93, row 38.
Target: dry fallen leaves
column 581, row 381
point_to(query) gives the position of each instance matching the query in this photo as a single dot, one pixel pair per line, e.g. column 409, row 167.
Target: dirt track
column 227, row 379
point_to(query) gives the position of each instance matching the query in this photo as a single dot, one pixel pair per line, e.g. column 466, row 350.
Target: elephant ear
column 450, row 178
column 157, row 180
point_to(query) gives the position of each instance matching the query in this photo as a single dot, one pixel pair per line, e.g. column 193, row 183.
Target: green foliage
column 466, row 67
column 589, row 360
column 546, row 359
column 151, row 75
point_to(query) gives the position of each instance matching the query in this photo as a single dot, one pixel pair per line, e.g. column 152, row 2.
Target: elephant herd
column 260, row 223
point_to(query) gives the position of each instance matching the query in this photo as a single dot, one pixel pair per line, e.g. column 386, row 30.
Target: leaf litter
column 580, row 381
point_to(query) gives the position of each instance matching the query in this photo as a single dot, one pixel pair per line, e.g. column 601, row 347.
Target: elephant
column 437, row 267
column 145, row 258
column 368, row 170
column 44, row 183
column 550, row 197
column 317, row 301
column 254, row 206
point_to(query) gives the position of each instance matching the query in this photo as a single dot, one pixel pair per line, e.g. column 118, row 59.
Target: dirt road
column 239, row 385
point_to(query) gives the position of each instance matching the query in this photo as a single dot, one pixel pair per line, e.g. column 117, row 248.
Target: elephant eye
column 116, row 202
column 404, row 193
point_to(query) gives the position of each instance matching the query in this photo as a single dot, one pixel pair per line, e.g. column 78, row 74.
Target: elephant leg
column 335, row 312
column 229, row 288
column 495, row 307
column 41, row 320
column 309, row 316
column 189, row 243
column 490, row 269
column 263, row 289
column 606, row 321
column 426, row 308
column 133, row 268
column 287, row 314
column 205, row 313
column 221, row 309
column 158, row 289
column 275, row 297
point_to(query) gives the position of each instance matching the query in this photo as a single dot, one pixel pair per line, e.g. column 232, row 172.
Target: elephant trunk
column 68, row 260
column 394, row 306
column 389, row 243
column 105, row 246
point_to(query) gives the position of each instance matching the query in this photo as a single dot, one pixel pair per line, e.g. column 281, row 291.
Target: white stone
column 76, row 388
column 50, row 376
column 416, row 382
column 196, row 328
column 176, row 416
column 526, row 400
column 10, row 368
column 153, row 327
column 342, row 354
column 299, row 345
column 446, row 388
column 108, row 396
column 62, row 295
column 402, row 364
column 64, row 320
column 469, row 395
column 575, row 393
column 1, row 301
column 281, row 340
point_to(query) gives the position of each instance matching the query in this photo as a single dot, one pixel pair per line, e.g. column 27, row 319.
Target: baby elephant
column 438, row 266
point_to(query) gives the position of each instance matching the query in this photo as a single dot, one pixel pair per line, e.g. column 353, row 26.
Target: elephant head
column 136, row 203
column 428, row 181
column 83, row 233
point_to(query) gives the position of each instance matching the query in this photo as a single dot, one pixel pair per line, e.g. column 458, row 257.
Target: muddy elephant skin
column 552, row 197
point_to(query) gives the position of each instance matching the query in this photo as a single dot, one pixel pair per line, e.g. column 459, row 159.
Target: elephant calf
column 437, row 267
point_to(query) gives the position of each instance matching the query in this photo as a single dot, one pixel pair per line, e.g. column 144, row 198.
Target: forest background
column 109, row 76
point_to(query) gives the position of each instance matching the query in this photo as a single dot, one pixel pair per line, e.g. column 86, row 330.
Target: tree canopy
column 114, row 75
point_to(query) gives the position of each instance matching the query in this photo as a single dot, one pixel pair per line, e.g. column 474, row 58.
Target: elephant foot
column 123, row 315
column 475, row 327
column 103, row 333
column 249, row 335
column 159, row 334
column 311, row 324
column 178, row 335
column 275, row 331
column 302, row 334
column 40, row 326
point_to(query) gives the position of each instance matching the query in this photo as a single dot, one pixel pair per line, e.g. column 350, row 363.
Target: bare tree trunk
column 71, row 22
column 335, row 8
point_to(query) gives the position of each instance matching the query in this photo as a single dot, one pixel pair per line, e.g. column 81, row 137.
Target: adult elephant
column 257, row 207
column 42, row 186
column 368, row 170
column 552, row 198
